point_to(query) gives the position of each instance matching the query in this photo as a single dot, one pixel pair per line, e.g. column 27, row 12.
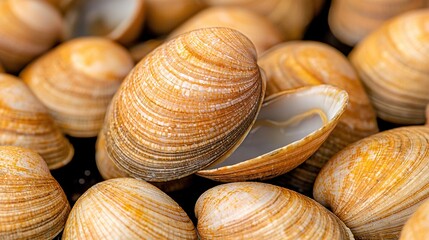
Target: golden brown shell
column 77, row 80
column 32, row 203
column 417, row 227
column 375, row 184
column 251, row 210
column 127, row 208
column 187, row 104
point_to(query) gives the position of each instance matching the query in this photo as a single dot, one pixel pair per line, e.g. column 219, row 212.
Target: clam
column 77, row 80
column 393, row 63
column 376, row 183
column 258, row 29
column 306, row 63
column 28, row 28
column 251, row 210
column 25, row 122
column 32, row 203
column 351, row 20
column 417, row 227
column 140, row 50
column 127, row 208
column 120, row 21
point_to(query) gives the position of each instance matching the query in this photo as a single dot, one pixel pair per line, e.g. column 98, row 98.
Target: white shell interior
column 264, row 139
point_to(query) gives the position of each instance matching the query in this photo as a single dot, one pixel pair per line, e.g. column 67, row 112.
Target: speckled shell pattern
column 186, row 105
column 305, row 63
column 32, row 203
column 393, row 63
column 251, row 210
column 25, row 122
column 375, row 184
column 127, row 208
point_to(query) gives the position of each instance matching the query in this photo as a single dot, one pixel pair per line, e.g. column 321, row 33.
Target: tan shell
column 306, row 63
column 127, row 208
column 257, row 28
column 393, row 63
column 417, row 226
column 77, row 80
column 352, row 20
column 140, row 50
column 251, row 210
column 375, row 184
column 25, row 122
column 120, row 21
column 290, row 16
column 186, row 105
column 32, row 203
column 162, row 16
column 290, row 127
column 27, row 29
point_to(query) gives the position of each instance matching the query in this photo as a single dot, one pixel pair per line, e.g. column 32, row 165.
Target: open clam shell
column 77, row 80
column 290, row 127
column 32, row 203
column 251, row 210
column 120, row 21
column 25, row 122
column 127, row 208
column 375, row 184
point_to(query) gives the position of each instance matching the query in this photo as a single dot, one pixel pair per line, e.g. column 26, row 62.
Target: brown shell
column 393, row 63
column 187, row 104
column 306, row 63
column 375, row 184
column 32, row 203
column 25, row 122
column 77, row 80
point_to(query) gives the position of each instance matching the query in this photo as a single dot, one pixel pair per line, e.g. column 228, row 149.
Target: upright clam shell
column 393, row 63
column 251, row 210
column 127, row 208
column 306, row 63
column 417, row 226
column 77, row 80
column 257, row 28
column 27, row 29
column 187, row 104
column 375, row 184
column 32, row 203
column 25, row 122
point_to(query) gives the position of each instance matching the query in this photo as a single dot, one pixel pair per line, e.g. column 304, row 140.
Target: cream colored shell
column 127, row 208
column 393, row 63
column 417, row 226
column 32, row 203
column 375, row 184
column 251, row 210
column 77, row 80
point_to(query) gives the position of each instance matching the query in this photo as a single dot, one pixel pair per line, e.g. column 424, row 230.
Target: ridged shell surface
column 77, row 80
column 251, row 210
column 127, row 208
column 417, row 226
column 375, row 184
column 25, row 122
column 186, row 105
column 305, row 63
column 393, row 63
column 32, row 203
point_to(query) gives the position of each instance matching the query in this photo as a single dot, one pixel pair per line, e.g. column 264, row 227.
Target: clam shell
column 27, row 29
column 120, row 21
column 271, row 150
column 393, row 63
column 251, row 210
column 187, row 104
column 25, row 122
column 126, row 208
column 417, row 227
column 77, row 80
column 257, row 28
column 352, row 20
column 140, row 50
column 306, row 63
column 32, row 203
column 375, row 184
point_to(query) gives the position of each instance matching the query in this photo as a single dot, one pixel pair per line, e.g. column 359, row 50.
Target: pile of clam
column 214, row 119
